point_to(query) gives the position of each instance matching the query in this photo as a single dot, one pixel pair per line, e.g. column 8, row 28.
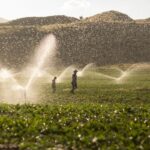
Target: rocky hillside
column 110, row 16
column 2, row 20
column 143, row 20
column 29, row 21
column 148, row 20
column 80, row 42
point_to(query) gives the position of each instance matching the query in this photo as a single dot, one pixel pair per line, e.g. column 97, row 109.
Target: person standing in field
column 54, row 85
column 74, row 81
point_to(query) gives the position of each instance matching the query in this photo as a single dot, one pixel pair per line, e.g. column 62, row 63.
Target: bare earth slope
column 80, row 42
column 43, row 20
column 2, row 20
column 110, row 16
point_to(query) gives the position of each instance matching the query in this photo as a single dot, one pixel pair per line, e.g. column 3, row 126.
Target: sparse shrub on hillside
column 79, row 42
column 43, row 20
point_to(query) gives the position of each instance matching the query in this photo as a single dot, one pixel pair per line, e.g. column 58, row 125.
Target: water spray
column 5, row 74
column 46, row 48
column 62, row 75
column 87, row 67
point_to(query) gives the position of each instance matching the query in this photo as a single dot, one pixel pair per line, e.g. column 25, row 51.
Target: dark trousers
column 74, row 86
column 53, row 89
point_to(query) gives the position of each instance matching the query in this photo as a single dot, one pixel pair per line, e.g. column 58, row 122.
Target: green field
column 102, row 114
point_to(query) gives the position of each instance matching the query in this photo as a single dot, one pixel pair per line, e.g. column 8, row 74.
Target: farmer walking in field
column 74, row 81
column 54, row 85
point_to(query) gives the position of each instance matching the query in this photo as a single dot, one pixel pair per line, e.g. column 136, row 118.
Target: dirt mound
column 2, row 20
column 43, row 20
column 111, row 16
